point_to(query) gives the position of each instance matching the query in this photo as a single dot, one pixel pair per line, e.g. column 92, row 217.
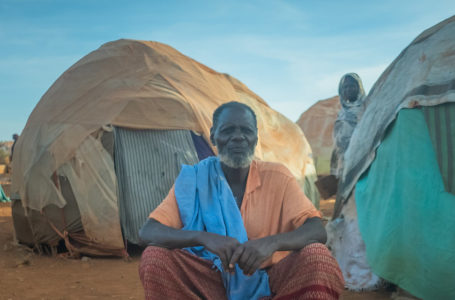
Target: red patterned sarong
column 311, row 273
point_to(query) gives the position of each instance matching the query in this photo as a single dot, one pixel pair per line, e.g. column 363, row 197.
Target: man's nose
column 237, row 134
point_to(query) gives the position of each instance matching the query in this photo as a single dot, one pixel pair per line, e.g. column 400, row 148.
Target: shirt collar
column 254, row 180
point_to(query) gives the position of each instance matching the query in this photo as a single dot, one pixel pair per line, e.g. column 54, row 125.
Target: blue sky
column 291, row 53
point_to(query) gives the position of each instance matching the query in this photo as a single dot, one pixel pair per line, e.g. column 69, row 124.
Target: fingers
column 224, row 260
column 229, row 252
column 235, row 256
column 255, row 264
column 225, row 255
column 247, row 261
column 252, row 256
column 221, row 246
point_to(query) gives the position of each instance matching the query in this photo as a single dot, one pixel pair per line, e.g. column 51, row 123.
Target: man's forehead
column 236, row 114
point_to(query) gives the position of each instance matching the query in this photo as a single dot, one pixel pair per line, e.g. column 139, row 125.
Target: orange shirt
column 273, row 203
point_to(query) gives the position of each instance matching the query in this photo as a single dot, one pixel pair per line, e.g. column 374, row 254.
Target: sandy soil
column 25, row 275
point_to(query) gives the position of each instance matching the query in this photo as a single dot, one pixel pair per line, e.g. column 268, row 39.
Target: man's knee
column 315, row 249
column 154, row 258
column 316, row 259
column 317, row 255
column 312, row 267
column 153, row 253
column 319, row 259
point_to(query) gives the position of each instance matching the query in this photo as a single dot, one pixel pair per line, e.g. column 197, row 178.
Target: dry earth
column 25, row 275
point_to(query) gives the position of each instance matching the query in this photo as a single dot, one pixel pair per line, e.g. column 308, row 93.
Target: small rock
column 23, row 262
column 85, row 258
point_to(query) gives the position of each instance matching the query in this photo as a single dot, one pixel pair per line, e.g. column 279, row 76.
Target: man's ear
column 212, row 139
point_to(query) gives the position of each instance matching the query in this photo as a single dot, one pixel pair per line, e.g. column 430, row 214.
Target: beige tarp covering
column 134, row 84
column 317, row 125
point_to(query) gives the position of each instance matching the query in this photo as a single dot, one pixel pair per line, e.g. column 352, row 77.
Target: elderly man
column 247, row 229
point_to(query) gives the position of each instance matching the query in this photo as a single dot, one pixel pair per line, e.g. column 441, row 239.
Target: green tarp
column 406, row 216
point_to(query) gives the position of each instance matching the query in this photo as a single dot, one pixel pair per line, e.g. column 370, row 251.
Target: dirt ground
column 25, row 275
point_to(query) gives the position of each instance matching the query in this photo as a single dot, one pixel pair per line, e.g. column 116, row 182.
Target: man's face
column 235, row 137
column 350, row 89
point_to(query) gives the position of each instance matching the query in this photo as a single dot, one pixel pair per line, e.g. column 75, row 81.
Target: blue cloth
column 206, row 203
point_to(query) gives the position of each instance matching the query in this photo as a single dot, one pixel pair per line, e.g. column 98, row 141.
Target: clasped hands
column 249, row 255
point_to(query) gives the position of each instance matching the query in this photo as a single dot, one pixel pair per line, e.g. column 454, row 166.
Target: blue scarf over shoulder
column 206, row 203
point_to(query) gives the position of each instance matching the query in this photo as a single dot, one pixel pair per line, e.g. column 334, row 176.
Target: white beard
column 236, row 162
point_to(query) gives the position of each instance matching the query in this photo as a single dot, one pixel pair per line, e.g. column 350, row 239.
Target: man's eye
column 227, row 130
column 247, row 130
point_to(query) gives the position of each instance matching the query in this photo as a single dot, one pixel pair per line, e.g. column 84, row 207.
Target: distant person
column 343, row 233
column 237, row 228
column 15, row 138
column 352, row 99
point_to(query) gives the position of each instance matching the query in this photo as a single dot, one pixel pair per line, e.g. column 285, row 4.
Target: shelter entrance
column 147, row 162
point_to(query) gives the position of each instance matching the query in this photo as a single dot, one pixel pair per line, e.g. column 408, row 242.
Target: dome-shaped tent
column 158, row 103
column 317, row 125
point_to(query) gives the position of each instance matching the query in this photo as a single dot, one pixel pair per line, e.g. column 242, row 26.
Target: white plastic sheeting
column 95, row 185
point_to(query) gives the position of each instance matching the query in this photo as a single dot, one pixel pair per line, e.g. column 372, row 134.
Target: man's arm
column 153, row 233
column 156, row 234
column 253, row 253
column 312, row 231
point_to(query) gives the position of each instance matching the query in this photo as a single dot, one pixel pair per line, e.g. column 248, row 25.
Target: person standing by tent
column 15, row 138
column 344, row 237
column 352, row 99
column 235, row 217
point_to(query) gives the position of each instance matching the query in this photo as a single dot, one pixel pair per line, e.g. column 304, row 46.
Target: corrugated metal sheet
column 147, row 163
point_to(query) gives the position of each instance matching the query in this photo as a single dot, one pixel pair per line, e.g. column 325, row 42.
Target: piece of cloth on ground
column 3, row 197
column 311, row 273
column 206, row 203
column 405, row 214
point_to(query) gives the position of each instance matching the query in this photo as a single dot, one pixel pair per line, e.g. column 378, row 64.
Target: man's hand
column 251, row 254
column 223, row 246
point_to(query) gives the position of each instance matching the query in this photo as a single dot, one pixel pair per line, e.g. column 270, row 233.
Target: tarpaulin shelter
column 400, row 166
column 105, row 142
column 317, row 125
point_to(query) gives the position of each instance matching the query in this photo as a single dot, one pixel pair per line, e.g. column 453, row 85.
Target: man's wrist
column 199, row 238
column 273, row 242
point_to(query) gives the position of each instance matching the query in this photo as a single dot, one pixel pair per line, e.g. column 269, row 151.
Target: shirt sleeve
column 297, row 208
column 167, row 213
